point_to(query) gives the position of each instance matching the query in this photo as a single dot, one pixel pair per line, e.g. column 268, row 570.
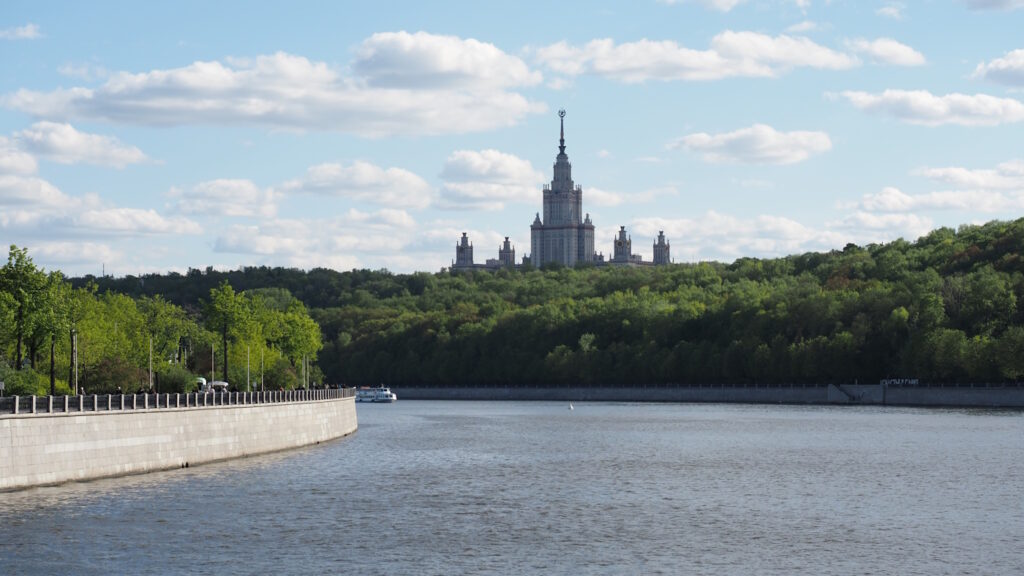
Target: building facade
column 562, row 233
column 661, row 250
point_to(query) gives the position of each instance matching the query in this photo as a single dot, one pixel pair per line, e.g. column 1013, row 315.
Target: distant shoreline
column 967, row 396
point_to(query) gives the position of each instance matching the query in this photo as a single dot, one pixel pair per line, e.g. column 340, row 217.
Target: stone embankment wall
column 1010, row 396
column 114, row 439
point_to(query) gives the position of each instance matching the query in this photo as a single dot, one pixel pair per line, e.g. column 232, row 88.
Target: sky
column 145, row 137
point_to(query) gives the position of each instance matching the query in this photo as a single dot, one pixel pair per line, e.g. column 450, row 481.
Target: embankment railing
column 22, row 405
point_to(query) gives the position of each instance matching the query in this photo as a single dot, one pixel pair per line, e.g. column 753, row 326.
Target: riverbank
column 981, row 396
column 60, row 439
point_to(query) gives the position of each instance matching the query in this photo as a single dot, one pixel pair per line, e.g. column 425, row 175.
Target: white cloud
column 226, row 197
column 21, row 190
column 33, row 207
column 130, row 221
column 86, row 72
column 74, row 254
column 873, row 227
column 758, row 144
column 731, row 54
column 923, row 107
column 600, row 197
column 26, row 32
column 988, row 190
column 1006, row 176
column 54, row 215
column 1008, row 70
column 715, row 235
column 350, row 241
column 887, row 51
column 63, row 143
column 365, row 182
column 995, row 4
column 457, row 93
column 720, row 5
column 385, row 218
column 404, row 60
column 13, row 160
column 805, row 26
column 893, row 11
column 487, row 179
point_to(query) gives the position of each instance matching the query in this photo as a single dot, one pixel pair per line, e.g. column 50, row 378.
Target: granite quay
column 1009, row 395
column 56, row 439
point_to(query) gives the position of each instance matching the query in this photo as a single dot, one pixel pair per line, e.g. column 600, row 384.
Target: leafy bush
column 175, row 378
column 114, row 375
column 26, row 382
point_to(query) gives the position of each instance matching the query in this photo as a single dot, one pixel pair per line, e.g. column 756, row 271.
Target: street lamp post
column 74, row 355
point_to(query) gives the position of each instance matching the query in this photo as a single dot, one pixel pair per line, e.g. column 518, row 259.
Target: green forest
column 126, row 342
column 942, row 309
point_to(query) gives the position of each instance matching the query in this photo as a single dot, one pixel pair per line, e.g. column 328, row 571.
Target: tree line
column 56, row 335
column 941, row 309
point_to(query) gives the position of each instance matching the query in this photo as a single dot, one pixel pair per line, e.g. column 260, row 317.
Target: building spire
column 561, row 139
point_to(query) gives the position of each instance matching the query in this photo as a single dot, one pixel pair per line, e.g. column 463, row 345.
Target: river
column 535, row 488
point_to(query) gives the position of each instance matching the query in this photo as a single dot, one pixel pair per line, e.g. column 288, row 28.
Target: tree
column 54, row 317
column 226, row 314
column 25, row 283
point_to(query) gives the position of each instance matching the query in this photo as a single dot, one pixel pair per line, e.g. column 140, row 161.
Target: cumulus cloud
column 22, row 190
column 426, row 85
column 14, row 160
column 26, row 32
column 893, row 11
column 366, row 182
column 1006, row 176
column 995, row 4
column 874, row 227
column 720, row 5
column 487, row 179
column 731, row 54
column 601, row 197
column 352, row 240
column 226, row 197
column 74, row 254
column 401, row 59
column 1008, row 70
column 129, row 221
column 714, row 235
column 63, row 143
column 887, row 51
column 32, row 207
column 805, row 26
column 758, row 144
column 971, row 190
column 923, row 107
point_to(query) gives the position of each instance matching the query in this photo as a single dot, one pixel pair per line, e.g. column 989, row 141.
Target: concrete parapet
column 51, row 448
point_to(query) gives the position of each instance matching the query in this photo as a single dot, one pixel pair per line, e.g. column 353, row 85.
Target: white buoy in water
column 570, row 406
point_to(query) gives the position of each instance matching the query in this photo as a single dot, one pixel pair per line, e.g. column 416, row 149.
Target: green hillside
column 941, row 309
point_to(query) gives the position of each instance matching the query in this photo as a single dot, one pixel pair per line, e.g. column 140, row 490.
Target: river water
column 534, row 488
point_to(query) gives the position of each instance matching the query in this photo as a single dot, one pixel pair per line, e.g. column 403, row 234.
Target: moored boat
column 375, row 394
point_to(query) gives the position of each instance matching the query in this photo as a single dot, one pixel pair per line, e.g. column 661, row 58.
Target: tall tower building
column 623, row 247
column 564, row 235
column 464, row 252
column 507, row 254
column 661, row 250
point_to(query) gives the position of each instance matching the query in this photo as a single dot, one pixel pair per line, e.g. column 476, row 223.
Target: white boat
column 377, row 394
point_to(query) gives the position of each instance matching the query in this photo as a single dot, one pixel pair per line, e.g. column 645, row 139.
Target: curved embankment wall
column 1010, row 396
column 39, row 449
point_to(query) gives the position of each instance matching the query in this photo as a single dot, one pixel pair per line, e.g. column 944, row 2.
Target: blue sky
column 146, row 137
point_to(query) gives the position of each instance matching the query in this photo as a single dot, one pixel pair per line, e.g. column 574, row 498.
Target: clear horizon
column 150, row 138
